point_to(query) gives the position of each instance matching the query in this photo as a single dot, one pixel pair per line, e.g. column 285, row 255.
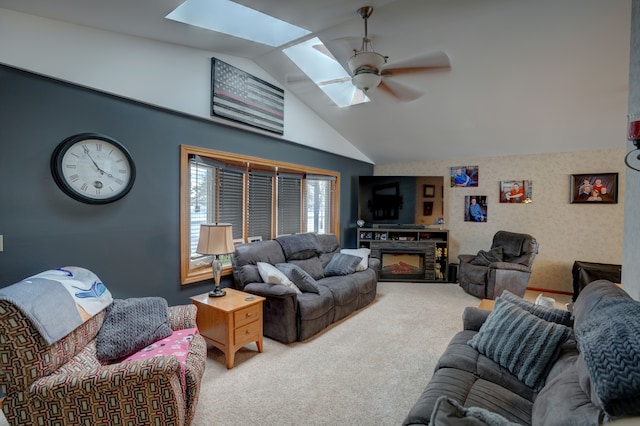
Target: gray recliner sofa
column 289, row 316
column 593, row 378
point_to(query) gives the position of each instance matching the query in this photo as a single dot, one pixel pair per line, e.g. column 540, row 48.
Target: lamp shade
column 215, row 238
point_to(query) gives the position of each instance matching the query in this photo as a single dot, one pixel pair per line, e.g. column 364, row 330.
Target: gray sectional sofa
column 589, row 376
column 334, row 290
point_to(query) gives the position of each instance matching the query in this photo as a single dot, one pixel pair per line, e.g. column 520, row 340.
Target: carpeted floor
column 367, row 369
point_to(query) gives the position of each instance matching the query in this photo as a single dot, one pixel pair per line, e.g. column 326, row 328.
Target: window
column 260, row 198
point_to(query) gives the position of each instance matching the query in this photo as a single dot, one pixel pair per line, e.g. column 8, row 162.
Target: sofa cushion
column 272, row 275
column 448, row 412
column 485, row 258
column 312, row 266
column 521, row 342
column 361, row 252
column 130, row 325
column 305, row 282
column 342, row 264
column 546, row 313
column 300, row 246
column 610, row 344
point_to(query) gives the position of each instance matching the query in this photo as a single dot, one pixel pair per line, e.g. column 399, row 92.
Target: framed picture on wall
column 427, row 208
column 462, row 176
column 429, row 191
column 475, row 208
column 594, row 188
column 515, row 191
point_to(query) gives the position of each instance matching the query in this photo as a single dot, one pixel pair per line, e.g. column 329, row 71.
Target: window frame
column 188, row 276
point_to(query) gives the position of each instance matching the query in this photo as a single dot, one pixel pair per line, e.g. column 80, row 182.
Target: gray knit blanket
column 609, row 340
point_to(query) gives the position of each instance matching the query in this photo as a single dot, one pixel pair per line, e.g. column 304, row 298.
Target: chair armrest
column 111, row 378
column 182, row 316
column 466, row 258
column 268, row 290
column 509, row 266
column 473, row 318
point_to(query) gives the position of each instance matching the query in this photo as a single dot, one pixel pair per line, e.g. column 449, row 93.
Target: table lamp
column 216, row 239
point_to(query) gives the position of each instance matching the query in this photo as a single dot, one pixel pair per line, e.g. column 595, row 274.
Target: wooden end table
column 486, row 304
column 231, row 321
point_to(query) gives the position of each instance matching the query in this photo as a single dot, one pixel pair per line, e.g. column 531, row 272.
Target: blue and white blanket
column 59, row 300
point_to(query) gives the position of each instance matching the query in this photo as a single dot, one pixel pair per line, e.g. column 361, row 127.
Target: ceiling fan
column 368, row 71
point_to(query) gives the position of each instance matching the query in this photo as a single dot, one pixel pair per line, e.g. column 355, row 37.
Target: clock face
column 93, row 168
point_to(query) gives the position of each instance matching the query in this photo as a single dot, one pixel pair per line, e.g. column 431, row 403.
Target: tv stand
column 408, row 254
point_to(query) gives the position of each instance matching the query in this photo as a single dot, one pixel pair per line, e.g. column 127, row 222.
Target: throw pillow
column 130, row 325
column 485, row 258
column 271, row 275
column 341, row 264
column 520, row 342
column 361, row 252
column 448, row 411
column 300, row 278
column 546, row 313
column 300, row 246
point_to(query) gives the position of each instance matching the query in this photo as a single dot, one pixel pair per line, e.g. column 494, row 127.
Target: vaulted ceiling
column 525, row 77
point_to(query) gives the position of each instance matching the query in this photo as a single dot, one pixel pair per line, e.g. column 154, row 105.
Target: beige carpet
column 368, row 369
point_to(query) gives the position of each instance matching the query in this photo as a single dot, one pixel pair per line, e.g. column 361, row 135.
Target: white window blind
column 318, row 190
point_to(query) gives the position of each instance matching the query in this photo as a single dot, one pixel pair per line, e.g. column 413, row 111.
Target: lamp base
column 217, row 292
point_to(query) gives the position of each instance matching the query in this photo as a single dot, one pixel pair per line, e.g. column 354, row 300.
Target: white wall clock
column 93, row 168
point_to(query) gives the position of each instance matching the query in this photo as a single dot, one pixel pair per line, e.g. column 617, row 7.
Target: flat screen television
column 400, row 200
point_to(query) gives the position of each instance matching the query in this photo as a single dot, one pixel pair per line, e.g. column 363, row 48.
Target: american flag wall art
column 239, row 96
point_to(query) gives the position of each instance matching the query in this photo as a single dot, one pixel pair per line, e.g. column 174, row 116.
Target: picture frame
column 464, row 176
column 475, row 208
column 427, row 208
column 593, row 188
column 516, row 191
column 239, row 96
column 429, row 191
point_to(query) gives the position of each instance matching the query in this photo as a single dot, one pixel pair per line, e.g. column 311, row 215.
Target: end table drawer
column 247, row 315
column 248, row 333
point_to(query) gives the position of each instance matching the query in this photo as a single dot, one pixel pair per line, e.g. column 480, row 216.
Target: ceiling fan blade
column 432, row 60
column 400, row 91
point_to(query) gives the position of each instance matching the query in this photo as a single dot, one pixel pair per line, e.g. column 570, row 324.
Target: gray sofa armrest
column 280, row 310
column 510, row 266
column 473, row 318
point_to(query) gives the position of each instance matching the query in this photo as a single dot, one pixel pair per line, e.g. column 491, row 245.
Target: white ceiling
column 526, row 76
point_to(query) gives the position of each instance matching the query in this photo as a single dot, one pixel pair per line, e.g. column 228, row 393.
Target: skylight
column 315, row 60
column 225, row 16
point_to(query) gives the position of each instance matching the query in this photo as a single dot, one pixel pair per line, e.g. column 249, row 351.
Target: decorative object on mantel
column 633, row 134
column 242, row 97
column 216, row 239
column 594, row 188
column 360, row 223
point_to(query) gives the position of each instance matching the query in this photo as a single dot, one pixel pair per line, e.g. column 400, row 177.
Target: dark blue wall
column 132, row 244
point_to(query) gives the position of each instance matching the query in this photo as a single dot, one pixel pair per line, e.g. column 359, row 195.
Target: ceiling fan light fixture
column 366, row 80
column 371, row 60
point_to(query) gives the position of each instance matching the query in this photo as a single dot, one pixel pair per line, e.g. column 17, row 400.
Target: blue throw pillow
column 520, row 342
column 341, row 264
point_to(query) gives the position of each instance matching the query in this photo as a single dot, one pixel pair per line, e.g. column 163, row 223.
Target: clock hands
column 102, row 172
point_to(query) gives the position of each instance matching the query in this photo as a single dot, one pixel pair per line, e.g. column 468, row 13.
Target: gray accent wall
column 132, row 244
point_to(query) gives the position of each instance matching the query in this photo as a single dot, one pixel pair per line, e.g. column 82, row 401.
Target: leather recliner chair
column 507, row 266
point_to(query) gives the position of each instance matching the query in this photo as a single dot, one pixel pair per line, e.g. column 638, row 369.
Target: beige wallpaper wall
column 566, row 232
